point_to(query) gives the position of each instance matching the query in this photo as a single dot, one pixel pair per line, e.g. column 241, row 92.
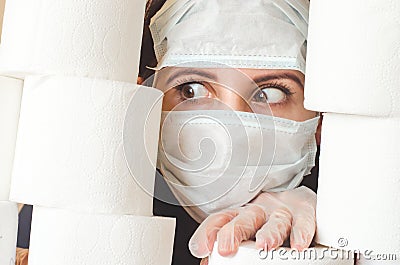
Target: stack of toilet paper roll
column 353, row 74
column 87, row 137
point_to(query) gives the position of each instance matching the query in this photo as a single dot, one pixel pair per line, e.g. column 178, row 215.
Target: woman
column 244, row 60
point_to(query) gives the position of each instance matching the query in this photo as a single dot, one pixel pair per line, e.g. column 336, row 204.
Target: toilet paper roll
column 69, row 238
column 10, row 102
column 8, row 232
column 71, row 144
column 353, row 57
column 249, row 254
column 359, row 183
column 99, row 39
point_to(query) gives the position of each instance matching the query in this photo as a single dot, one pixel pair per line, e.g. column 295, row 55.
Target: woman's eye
column 193, row 90
column 270, row 95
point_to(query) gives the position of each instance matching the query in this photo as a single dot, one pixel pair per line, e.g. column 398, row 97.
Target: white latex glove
column 270, row 218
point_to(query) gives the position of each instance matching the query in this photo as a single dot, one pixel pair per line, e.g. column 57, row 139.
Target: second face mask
column 217, row 159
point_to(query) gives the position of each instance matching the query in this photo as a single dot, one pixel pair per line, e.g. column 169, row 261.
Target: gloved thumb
column 200, row 244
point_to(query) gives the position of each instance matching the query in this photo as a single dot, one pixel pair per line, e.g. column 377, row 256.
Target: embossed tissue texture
column 359, row 183
column 90, row 239
column 353, row 57
column 70, row 151
column 99, row 39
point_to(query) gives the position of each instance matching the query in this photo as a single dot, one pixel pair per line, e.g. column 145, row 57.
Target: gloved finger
column 243, row 227
column 303, row 230
column 204, row 261
column 275, row 231
column 202, row 242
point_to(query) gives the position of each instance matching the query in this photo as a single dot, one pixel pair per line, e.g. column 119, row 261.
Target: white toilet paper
column 353, row 57
column 359, row 183
column 249, row 254
column 10, row 102
column 378, row 259
column 2, row 3
column 8, row 232
column 83, row 38
column 70, row 147
column 66, row 238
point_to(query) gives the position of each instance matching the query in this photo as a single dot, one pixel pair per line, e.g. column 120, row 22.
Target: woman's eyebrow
column 279, row 76
column 188, row 71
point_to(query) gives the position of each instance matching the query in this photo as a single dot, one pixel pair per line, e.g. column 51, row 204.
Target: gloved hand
column 270, row 218
column 21, row 256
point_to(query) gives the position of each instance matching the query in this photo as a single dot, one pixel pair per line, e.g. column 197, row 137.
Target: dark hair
column 147, row 56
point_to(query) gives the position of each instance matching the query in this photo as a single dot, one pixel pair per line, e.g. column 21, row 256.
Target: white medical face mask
column 216, row 159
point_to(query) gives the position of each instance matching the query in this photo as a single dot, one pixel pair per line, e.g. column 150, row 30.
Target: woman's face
column 270, row 92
